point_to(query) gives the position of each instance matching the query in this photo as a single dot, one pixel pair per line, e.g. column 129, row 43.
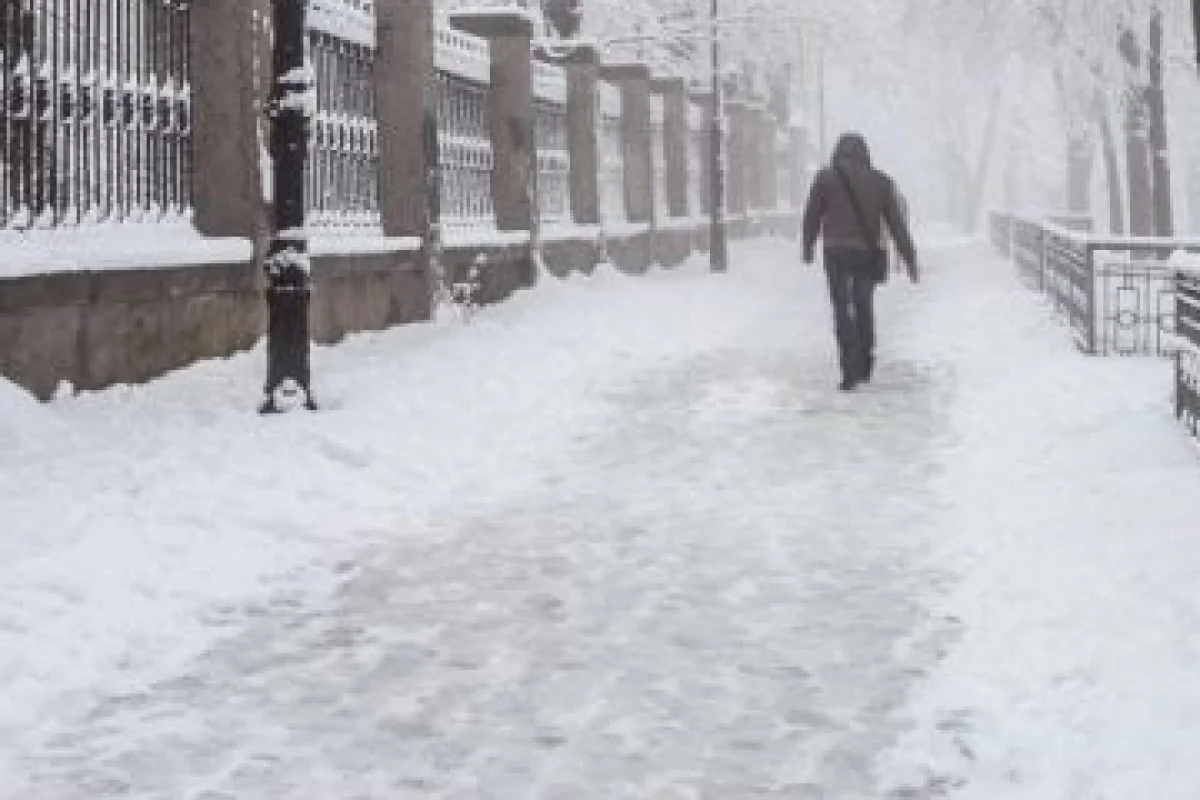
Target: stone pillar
column 583, row 72
column 675, row 143
column 514, row 175
column 231, row 83
column 634, row 82
column 406, row 106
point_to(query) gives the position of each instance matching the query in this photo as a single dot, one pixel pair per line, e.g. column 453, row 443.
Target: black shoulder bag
column 878, row 268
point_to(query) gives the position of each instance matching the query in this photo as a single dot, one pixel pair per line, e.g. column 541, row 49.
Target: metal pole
column 1196, row 28
column 718, row 251
column 287, row 264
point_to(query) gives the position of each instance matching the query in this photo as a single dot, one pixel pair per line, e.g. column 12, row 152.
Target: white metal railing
column 553, row 162
column 342, row 184
column 465, row 157
column 553, row 147
column 95, row 113
column 699, row 126
column 659, row 153
column 461, row 54
column 611, row 153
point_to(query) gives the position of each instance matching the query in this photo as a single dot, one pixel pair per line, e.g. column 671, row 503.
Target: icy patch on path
column 714, row 585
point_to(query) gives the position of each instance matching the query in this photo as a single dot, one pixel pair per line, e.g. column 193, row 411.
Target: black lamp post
column 287, row 263
column 1196, row 28
column 718, row 250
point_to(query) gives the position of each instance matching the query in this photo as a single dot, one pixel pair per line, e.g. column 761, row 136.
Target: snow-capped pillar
column 675, row 143
column 231, row 83
column 407, row 115
column 634, row 82
column 583, row 72
column 514, row 175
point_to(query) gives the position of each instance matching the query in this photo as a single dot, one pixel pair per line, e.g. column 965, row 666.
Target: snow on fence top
column 1186, row 263
column 549, row 83
column 609, row 99
column 349, row 20
column 463, row 54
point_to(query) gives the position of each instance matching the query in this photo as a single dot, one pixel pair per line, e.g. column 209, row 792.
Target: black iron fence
column 95, row 111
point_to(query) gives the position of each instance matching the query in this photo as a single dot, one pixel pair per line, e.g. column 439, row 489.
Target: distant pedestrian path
column 623, row 538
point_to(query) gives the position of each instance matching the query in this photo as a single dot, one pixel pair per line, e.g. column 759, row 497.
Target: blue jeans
column 852, row 292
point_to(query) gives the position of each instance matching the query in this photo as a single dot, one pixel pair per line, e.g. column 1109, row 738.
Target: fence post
column 231, row 83
column 1093, row 300
column 514, row 177
column 407, row 116
column 583, row 72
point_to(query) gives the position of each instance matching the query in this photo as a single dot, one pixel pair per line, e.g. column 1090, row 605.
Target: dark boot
column 868, row 369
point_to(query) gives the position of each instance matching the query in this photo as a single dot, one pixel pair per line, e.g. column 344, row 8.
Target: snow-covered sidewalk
column 616, row 538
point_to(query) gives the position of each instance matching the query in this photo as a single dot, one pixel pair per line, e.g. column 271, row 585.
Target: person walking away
column 847, row 206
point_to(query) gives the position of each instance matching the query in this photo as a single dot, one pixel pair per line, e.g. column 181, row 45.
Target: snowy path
column 622, row 539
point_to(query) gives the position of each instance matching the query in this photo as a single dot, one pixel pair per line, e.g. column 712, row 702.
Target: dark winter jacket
column 830, row 213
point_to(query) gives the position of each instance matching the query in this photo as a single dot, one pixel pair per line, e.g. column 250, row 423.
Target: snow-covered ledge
column 333, row 244
column 115, row 247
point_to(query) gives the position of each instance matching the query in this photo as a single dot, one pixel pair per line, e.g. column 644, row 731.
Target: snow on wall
column 462, row 54
column 113, row 247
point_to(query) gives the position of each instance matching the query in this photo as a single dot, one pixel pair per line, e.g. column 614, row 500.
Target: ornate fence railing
column 1120, row 295
column 553, row 147
column 1117, row 293
column 611, row 150
column 659, row 156
column 1187, row 364
column 95, row 112
column 699, row 128
column 465, row 156
column 342, row 186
